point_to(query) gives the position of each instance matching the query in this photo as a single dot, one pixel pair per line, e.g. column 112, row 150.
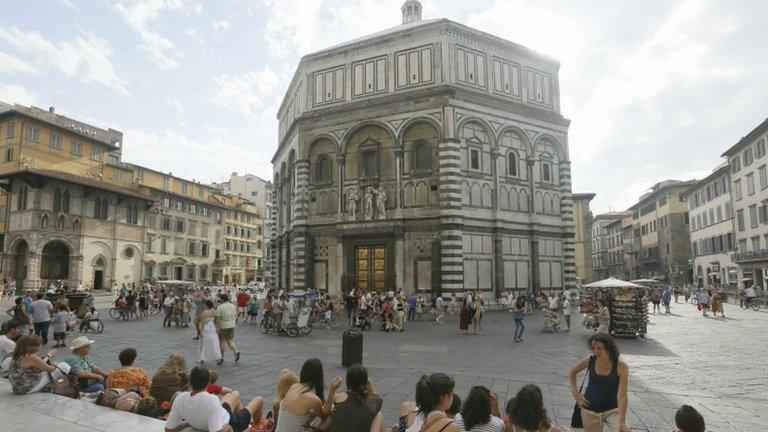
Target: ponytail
column 429, row 390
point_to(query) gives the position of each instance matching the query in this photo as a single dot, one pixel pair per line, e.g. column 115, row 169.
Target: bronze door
column 371, row 267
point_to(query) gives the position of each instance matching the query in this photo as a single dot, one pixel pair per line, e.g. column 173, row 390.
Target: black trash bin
column 352, row 347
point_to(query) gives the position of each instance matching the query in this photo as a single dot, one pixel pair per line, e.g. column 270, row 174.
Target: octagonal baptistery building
column 429, row 157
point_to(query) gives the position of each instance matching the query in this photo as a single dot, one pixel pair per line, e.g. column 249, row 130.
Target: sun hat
column 80, row 342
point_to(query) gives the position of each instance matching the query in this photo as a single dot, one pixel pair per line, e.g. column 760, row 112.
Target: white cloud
column 221, row 26
column 248, row 93
column 14, row 93
column 86, row 57
column 11, row 65
column 142, row 15
column 68, row 4
column 177, row 151
column 180, row 109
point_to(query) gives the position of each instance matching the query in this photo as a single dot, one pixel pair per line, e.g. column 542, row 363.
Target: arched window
column 512, row 164
column 21, row 204
column 421, row 156
column 323, row 169
column 44, row 221
column 76, row 225
column 60, row 222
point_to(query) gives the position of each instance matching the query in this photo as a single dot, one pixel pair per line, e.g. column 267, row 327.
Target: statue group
column 371, row 197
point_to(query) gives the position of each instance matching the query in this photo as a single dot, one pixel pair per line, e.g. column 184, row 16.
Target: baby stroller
column 551, row 322
column 362, row 322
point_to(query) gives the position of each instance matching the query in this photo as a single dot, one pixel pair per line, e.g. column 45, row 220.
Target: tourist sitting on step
column 203, row 411
column 29, row 373
column 90, row 378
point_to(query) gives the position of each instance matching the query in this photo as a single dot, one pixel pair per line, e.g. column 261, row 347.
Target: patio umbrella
column 612, row 283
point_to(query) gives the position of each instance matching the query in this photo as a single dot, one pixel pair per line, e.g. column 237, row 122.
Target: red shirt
column 213, row 389
column 242, row 301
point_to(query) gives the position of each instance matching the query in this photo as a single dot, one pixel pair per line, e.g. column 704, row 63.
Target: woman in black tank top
column 604, row 402
column 359, row 409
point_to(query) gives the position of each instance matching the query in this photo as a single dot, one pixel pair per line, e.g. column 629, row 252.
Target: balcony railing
column 760, row 255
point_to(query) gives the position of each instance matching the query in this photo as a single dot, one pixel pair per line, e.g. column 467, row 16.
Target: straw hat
column 80, row 342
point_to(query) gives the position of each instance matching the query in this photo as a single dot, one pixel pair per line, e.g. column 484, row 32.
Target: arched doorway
column 99, row 265
column 55, row 263
column 19, row 269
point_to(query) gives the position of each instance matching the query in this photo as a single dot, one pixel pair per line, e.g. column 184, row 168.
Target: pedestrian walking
column 41, row 316
column 168, row 306
column 440, row 309
column 226, row 314
column 604, row 402
column 666, row 299
column 704, row 299
column 210, row 346
column 477, row 316
column 464, row 315
column 518, row 312
column 656, row 299
column 567, row 312
column 19, row 314
column 603, row 318
column 412, row 307
column 529, row 302
column 687, row 292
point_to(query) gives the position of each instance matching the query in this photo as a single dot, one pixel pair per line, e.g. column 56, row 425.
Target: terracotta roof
column 84, row 181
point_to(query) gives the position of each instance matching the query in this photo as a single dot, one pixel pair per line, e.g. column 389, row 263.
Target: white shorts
column 241, row 309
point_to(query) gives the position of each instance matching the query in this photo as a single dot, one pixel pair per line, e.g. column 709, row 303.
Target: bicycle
column 317, row 319
column 95, row 325
column 751, row 303
column 268, row 324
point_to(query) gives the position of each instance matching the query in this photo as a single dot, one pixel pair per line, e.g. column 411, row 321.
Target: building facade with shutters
column 427, row 157
column 710, row 213
column 749, row 194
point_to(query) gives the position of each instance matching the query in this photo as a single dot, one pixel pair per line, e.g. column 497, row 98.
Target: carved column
column 451, row 242
column 533, row 280
column 399, row 171
column 341, row 166
column 495, row 174
column 301, row 257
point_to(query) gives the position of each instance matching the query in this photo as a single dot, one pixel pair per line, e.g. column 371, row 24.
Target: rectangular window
column 179, row 246
column 753, row 215
column 329, row 85
column 8, row 155
column 750, row 184
column 743, row 245
column 470, row 67
column 737, row 189
column 180, row 226
column 184, row 188
column 740, row 219
column 546, row 172
column 755, row 244
column 95, row 153
column 179, row 206
column 760, row 148
column 192, row 227
column 166, row 224
column 152, row 221
column 166, row 183
column 413, row 67
column 192, row 248
column 719, row 213
column 761, row 174
column 369, row 164
column 200, row 192
column 746, row 157
column 204, row 230
column 32, row 133
column 204, row 249
column 193, row 208
column 9, row 130
column 164, row 245
column 139, row 174
column 150, row 241
column 369, row 76
column 506, row 78
column 735, row 164
column 56, row 142
column 538, row 85
column 474, row 159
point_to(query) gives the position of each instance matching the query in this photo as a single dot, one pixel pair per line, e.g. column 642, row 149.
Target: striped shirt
column 494, row 425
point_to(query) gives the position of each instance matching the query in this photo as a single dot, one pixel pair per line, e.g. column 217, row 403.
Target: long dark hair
column 24, row 346
column 608, row 343
column 429, row 390
column 477, row 407
column 312, row 376
column 357, row 381
column 520, row 302
column 527, row 410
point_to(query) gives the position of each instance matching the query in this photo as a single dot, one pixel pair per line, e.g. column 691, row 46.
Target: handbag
column 64, row 386
column 576, row 421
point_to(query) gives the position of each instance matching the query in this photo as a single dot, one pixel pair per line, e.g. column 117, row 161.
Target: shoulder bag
column 576, row 421
column 64, row 386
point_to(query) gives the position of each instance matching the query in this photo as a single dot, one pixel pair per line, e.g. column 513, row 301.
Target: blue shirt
column 412, row 302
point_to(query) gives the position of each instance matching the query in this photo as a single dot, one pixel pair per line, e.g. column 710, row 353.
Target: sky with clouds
column 654, row 89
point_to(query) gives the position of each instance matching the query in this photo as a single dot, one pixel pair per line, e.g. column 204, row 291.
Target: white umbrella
column 612, row 283
column 645, row 281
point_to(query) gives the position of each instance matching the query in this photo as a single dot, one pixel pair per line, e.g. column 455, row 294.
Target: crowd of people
column 195, row 397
